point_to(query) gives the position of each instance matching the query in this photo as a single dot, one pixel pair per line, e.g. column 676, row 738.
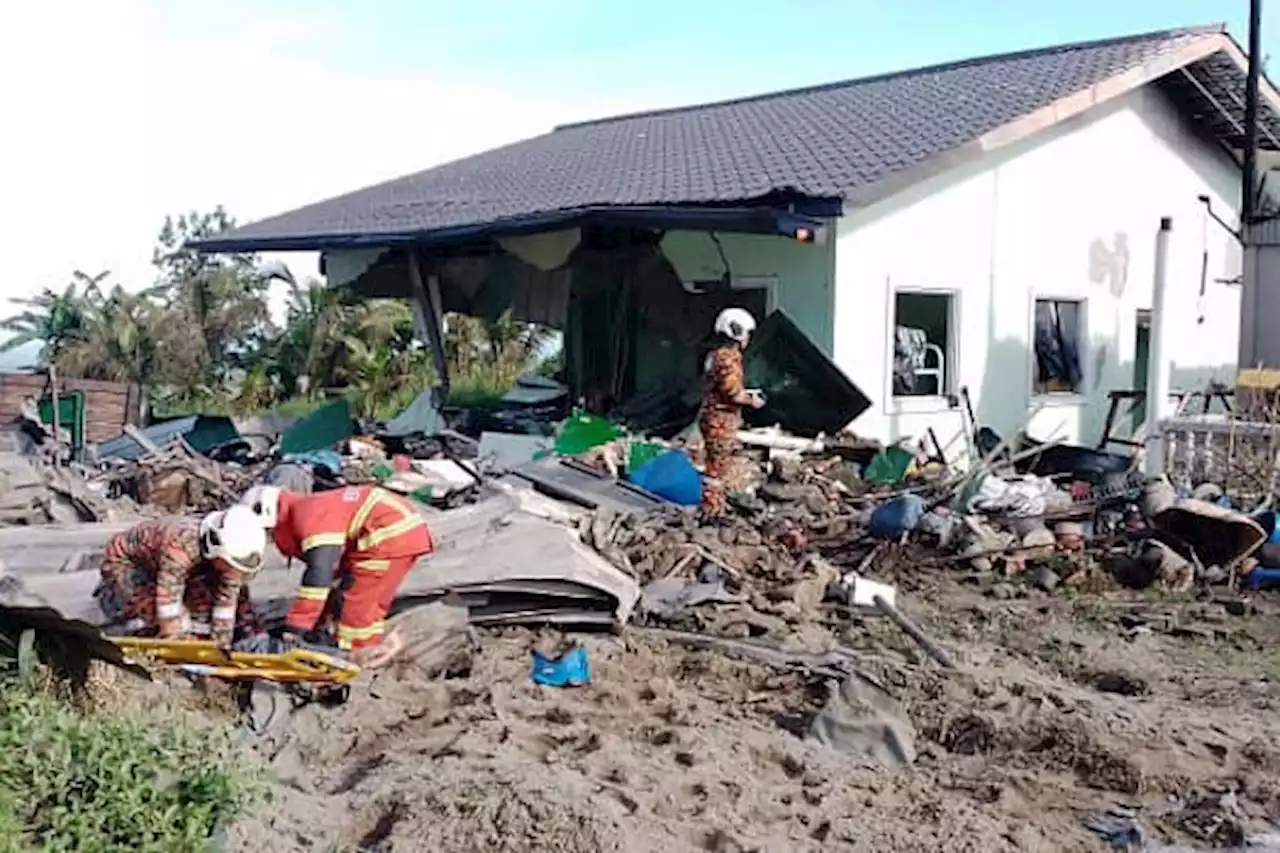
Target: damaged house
column 988, row 224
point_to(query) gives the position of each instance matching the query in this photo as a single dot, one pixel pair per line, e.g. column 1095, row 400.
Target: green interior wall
column 673, row 322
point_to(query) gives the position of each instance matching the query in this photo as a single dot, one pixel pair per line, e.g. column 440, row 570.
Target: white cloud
column 118, row 112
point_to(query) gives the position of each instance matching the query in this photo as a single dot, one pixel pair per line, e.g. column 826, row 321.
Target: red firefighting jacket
column 354, row 529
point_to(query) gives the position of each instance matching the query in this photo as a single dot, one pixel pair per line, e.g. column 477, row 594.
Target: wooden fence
column 108, row 405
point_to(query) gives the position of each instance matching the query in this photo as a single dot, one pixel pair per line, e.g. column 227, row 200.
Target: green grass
column 477, row 395
column 98, row 781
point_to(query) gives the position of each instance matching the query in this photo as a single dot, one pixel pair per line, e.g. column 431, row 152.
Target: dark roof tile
column 823, row 141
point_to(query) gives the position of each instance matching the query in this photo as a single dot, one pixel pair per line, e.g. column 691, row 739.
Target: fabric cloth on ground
column 897, row 517
column 667, row 597
column 1025, row 497
column 861, row 720
column 571, row 669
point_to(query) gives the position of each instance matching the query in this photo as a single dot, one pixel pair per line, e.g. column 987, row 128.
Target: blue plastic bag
column 1262, row 578
column 900, row 515
column 571, row 669
column 330, row 460
column 671, row 476
column 1267, row 518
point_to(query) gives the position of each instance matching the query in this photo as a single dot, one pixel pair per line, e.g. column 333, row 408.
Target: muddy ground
column 1064, row 706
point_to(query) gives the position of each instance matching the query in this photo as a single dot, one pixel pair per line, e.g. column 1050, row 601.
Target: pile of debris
column 174, row 478
column 33, row 492
column 797, row 517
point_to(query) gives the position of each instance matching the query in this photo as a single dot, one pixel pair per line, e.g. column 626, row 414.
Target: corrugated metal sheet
column 202, row 432
column 126, row 448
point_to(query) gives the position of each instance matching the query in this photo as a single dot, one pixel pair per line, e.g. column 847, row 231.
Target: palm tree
column 307, row 351
column 119, row 341
column 56, row 319
column 516, row 345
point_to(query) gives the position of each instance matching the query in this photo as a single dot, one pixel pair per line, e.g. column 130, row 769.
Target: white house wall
column 1049, row 217
column 799, row 275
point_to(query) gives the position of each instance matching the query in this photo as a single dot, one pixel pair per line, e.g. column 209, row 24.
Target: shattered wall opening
column 635, row 305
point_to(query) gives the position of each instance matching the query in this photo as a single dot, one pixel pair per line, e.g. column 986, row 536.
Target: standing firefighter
column 358, row 543
column 182, row 578
column 723, row 398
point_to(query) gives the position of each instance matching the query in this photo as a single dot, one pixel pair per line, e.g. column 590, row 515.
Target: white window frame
column 1065, row 398
column 924, row 403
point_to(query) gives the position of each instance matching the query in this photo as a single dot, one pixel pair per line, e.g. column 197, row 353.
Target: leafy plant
column 96, row 781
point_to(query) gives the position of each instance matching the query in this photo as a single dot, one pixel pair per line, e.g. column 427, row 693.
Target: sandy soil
column 1064, row 706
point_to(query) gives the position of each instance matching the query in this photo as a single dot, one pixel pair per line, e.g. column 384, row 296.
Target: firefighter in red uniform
column 358, row 543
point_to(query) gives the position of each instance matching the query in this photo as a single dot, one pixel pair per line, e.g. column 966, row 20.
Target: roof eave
column 782, row 220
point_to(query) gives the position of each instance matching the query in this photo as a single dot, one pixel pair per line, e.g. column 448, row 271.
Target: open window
column 923, row 344
column 1059, row 338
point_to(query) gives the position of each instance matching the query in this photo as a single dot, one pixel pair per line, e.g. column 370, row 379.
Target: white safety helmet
column 264, row 502
column 236, row 537
column 736, row 324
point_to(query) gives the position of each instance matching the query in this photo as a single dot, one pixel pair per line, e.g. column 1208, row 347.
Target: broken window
column 922, row 344
column 1059, row 325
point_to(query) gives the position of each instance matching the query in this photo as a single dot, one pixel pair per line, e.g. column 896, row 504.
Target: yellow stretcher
column 203, row 658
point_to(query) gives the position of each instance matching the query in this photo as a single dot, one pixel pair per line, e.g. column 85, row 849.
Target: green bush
column 482, row 396
column 97, row 782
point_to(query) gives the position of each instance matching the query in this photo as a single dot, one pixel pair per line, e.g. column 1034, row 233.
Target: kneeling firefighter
column 182, row 578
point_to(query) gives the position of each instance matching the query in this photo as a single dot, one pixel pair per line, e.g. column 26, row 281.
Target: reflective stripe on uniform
column 391, row 531
column 313, row 593
column 224, row 613
column 171, row 610
column 372, row 565
column 347, row 635
column 362, row 514
column 321, row 540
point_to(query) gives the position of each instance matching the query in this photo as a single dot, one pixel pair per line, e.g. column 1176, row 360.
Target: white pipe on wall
column 1159, row 371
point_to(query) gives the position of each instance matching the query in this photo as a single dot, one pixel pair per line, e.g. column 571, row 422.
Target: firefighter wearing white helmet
column 178, row 577
column 736, row 324
column 235, row 540
column 724, row 395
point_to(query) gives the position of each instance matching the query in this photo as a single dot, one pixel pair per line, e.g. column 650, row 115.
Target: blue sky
column 132, row 109
column 690, row 50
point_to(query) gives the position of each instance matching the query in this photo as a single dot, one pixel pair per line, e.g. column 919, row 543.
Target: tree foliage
column 201, row 337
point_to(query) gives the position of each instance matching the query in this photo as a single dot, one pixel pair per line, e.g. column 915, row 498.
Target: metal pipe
column 1250, row 178
column 1158, row 372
